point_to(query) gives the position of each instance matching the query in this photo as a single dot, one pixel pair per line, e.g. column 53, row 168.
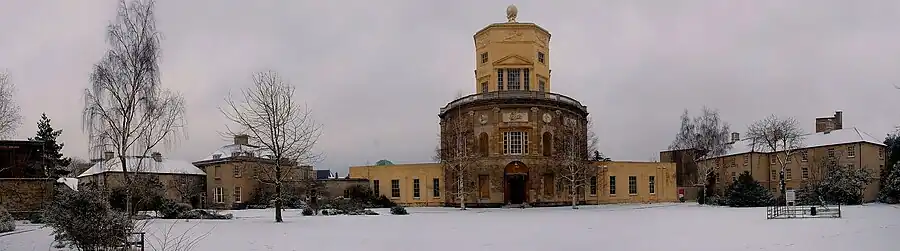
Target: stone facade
column 26, row 195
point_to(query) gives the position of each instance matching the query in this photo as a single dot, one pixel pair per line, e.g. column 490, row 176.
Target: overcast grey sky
column 376, row 72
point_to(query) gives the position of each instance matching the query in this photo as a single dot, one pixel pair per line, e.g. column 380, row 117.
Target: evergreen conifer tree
column 747, row 192
column 54, row 164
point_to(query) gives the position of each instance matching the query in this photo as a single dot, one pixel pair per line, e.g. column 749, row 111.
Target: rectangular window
column 437, row 188
column 772, row 159
column 237, row 194
column 612, row 185
column 787, row 173
column 237, row 171
column 632, row 185
column 484, row 57
column 542, row 86
column 499, row 79
column 395, row 188
column 376, row 188
column 416, row 193
column 804, row 173
column 347, row 193
column 515, row 143
column 526, row 79
column 830, row 152
column 484, row 87
column 593, row 185
column 219, row 195
column 881, row 154
column 733, row 176
column 652, row 182
column 851, row 151
column 216, row 172
column 850, row 166
column 484, row 186
column 774, row 175
column 747, row 159
column 540, row 57
column 513, row 79
column 548, row 184
column 804, row 156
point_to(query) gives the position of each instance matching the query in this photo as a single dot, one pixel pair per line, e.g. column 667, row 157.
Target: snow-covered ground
column 614, row 227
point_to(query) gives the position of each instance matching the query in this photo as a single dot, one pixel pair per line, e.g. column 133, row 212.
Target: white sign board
column 789, row 196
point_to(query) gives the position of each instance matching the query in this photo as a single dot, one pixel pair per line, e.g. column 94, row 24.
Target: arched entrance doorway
column 515, row 177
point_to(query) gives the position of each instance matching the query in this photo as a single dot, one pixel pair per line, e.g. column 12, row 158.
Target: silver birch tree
column 459, row 155
column 126, row 109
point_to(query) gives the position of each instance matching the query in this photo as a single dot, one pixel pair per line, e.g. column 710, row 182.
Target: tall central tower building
column 512, row 56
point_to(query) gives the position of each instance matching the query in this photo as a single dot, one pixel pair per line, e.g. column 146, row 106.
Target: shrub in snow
column 890, row 187
column 174, row 210
column 84, row 220
column 747, row 192
column 307, row 212
column 205, row 214
column 370, row 212
column 37, row 218
column 383, row 202
column 839, row 184
column 7, row 224
column 399, row 210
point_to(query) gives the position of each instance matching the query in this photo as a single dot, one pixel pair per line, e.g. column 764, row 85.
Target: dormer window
column 235, row 154
column 217, row 156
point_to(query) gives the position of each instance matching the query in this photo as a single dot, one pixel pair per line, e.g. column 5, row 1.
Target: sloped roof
column 834, row 137
column 148, row 165
column 232, row 150
column 70, row 182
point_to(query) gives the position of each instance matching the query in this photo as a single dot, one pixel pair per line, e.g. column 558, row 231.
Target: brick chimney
column 108, row 155
column 838, row 120
column 735, row 137
column 157, row 156
column 241, row 139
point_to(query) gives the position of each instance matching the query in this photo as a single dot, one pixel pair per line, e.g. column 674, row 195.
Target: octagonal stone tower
column 502, row 145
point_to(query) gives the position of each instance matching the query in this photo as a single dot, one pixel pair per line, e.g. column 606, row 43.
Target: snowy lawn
column 613, row 227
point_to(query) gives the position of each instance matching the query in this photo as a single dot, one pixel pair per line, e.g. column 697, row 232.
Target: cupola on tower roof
column 512, row 56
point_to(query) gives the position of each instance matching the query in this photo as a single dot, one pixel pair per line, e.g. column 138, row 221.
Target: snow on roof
column 148, row 165
column 236, row 150
column 834, row 137
column 70, row 182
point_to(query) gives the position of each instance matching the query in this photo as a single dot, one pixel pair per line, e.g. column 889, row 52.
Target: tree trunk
column 129, row 209
column 460, row 192
column 574, row 194
column 278, row 192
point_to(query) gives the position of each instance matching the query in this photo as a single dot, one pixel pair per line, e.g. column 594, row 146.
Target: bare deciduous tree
column 10, row 119
column 573, row 144
column 126, row 109
column 459, row 154
column 780, row 136
column 275, row 120
column 702, row 137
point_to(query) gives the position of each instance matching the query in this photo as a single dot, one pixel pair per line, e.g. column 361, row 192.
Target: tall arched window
column 483, row 144
column 547, row 143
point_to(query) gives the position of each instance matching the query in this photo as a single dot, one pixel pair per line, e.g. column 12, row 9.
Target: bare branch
column 126, row 110
column 780, row 136
column 10, row 120
column 459, row 154
column 573, row 144
column 703, row 137
column 273, row 119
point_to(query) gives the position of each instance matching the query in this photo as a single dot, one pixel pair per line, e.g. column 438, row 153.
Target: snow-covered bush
column 399, row 210
column 747, row 192
column 174, row 210
column 890, row 186
column 84, row 220
column 205, row 214
column 838, row 184
column 7, row 224
column 307, row 212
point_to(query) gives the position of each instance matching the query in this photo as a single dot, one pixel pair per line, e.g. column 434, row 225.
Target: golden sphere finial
column 511, row 13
